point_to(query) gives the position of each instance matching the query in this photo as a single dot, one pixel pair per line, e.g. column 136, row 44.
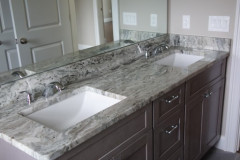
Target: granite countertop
column 141, row 81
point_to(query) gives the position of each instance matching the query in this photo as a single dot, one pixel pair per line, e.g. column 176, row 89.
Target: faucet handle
column 57, row 85
column 164, row 45
column 30, row 97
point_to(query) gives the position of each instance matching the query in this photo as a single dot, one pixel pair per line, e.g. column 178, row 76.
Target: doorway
column 107, row 18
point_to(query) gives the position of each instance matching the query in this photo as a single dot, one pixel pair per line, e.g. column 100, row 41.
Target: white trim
column 73, row 20
column 222, row 143
column 83, row 46
column 106, row 20
column 230, row 141
column 115, row 17
column 96, row 23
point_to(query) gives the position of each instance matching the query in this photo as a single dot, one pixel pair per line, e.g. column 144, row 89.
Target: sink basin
column 179, row 60
column 69, row 112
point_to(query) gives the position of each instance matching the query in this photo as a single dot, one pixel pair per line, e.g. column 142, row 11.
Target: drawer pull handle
column 173, row 98
column 173, row 129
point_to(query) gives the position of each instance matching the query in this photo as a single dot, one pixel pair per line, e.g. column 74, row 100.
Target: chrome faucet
column 50, row 89
column 30, row 97
column 19, row 74
column 128, row 41
column 57, row 85
column 146, row 50
column 160, row 48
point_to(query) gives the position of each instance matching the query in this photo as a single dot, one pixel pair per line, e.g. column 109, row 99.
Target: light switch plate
column 219, row 23
column 186, row 22
column 129, row 18
column 154, row 22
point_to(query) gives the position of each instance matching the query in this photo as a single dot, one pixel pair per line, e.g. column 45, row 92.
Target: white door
column 8, row 53
column 42, row 29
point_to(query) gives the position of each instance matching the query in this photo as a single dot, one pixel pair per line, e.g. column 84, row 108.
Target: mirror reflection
column 33, row 31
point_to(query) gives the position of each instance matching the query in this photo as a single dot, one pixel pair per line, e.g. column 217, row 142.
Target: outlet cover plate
column 129, row 18
column 219, row 23
column 186, row 21
column 154, row 22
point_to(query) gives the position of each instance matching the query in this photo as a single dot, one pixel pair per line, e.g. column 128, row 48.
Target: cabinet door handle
column 173, row 98
column 173, row 129
column 207, row 95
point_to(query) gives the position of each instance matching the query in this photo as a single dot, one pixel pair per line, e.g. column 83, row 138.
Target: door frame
column 73, row 21
column 115, row 20
column 231, row 118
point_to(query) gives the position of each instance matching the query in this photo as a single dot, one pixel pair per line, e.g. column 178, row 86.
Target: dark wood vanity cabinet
column 183, row 124
column 129, row 139
column 203, row 111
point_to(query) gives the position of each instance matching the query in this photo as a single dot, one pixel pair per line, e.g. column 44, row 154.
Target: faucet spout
column 52, row 88
column 57, row 85
column 19, row 74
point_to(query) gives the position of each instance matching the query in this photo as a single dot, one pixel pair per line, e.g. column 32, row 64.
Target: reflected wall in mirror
column 33, row 31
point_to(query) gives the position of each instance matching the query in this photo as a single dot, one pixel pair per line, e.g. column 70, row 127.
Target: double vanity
column 165, row 107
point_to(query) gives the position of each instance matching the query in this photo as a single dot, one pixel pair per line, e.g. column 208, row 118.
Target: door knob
column 23, row 41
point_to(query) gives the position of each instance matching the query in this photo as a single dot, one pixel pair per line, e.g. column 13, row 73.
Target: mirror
column 36, row 36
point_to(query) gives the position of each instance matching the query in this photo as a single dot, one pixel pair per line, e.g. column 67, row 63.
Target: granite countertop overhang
column 141, row 81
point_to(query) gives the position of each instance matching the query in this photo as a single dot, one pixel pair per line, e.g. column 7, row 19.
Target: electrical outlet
column 153, row 20
column 186, row 22
column 129, row 18
column 219, row 23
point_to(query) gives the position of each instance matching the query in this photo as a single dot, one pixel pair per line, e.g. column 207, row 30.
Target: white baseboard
column 222, row 143
column 83, row 46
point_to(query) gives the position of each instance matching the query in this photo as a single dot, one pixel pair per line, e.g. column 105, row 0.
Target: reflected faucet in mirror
column 19, row 74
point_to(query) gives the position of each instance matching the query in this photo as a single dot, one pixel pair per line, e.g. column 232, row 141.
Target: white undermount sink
column 69, row 112
column 179, row 60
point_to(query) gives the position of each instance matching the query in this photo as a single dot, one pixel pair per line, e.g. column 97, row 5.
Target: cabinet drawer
column 168, row 136
column 107, row 141
column 167, row 104
column 212, row 74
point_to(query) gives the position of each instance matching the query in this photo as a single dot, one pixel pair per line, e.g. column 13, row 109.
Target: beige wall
column 107, row 8
column 144, row 8
column 85, row 22
column 200, row 10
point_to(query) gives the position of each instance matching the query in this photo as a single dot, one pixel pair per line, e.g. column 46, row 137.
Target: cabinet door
column 178, row 155
column 140, row 149
column 193, row 129
column 212, row 115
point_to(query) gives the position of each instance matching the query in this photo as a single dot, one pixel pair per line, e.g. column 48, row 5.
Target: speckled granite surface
column 200, row 42
column 73, row 72
column 141, row 80
column 137, row 35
